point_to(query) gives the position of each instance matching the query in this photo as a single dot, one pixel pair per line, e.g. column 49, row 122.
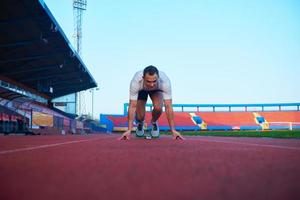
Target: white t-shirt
column 137, row 84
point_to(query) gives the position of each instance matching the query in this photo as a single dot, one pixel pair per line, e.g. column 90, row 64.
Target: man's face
column 150, row 81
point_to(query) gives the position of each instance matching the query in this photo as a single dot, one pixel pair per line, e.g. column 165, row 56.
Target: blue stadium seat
column 197, row 119
column 260, row 119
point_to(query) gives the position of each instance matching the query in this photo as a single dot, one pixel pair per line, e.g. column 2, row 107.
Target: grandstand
column 37, row 64
column 219, row 117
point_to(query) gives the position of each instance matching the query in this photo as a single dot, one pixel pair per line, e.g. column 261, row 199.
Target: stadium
column 49, row 151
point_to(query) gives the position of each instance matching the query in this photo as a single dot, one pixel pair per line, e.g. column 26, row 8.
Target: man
column 157, row 85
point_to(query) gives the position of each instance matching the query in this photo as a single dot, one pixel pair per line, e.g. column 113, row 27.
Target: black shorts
column 143, row 94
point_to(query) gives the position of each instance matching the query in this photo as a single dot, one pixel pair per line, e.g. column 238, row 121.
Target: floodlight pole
column 78, row 7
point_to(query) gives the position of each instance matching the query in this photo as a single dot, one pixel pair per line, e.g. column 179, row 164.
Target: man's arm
column 131, row 113
column 170, row 117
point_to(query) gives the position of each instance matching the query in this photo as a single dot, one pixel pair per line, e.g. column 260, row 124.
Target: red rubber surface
column 101, row 167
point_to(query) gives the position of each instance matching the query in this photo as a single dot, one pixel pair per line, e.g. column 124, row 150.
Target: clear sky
column 214, row 51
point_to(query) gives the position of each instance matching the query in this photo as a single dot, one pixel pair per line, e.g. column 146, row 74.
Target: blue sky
column 214, row 51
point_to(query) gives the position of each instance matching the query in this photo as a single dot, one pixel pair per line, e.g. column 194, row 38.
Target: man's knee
column 157, row 108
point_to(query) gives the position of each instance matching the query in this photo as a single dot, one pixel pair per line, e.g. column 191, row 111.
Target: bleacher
column 193, row 119
column 282, row 119
column 229, row 120
column 34, row 117
column 11, row 121
column 182, row 120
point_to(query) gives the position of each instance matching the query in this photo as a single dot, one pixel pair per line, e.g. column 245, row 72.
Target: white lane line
column 252, row 144
column 47, row 146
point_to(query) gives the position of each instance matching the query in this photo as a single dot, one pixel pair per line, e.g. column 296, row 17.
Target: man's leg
column 157, row 101
column 140, row 110
column 140, row 113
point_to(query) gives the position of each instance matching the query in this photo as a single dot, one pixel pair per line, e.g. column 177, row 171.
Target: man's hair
column 151, row 70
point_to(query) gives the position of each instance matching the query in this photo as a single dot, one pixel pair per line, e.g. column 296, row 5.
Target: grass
column 268, row 133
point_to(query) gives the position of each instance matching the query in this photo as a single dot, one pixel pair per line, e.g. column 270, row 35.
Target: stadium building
column 37, row 65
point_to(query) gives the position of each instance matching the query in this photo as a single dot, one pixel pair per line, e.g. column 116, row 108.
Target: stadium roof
column 35, row 52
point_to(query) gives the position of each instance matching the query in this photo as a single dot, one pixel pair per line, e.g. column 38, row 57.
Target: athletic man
column 157, row 85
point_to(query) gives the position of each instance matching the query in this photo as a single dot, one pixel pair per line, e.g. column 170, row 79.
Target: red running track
column 101, row 167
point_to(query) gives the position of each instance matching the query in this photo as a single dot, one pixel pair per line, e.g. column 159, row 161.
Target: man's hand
column 177, row 135
column 125, row 136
